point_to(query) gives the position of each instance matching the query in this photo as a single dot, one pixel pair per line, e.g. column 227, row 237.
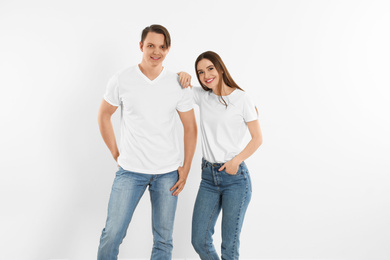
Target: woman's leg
column 236, row 195
column 206, row 211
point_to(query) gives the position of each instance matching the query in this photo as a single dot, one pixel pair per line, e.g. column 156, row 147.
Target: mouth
column 210, row 80
column 155, row 58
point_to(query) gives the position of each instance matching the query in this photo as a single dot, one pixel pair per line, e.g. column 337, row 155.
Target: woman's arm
column 231, row 166
column 185, row 79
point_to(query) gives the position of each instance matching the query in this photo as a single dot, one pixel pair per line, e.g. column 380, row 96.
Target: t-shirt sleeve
column 112, row 92
column 250, row 111
column 197, row 91
column 186, row 102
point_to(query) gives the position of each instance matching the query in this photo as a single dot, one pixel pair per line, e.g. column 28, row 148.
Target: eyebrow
column 154, row 44
column 207, row 67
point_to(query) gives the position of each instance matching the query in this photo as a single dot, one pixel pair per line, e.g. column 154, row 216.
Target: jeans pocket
column 203, row 165
column 119, row 171
column 238, row 173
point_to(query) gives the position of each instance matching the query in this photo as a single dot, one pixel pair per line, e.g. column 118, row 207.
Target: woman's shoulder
column 199, row 94
column 243, row 94
column 242, row 98
column 239, row 94
column 199, row 90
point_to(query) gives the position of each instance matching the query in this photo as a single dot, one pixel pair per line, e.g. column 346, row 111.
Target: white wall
column 318, row 70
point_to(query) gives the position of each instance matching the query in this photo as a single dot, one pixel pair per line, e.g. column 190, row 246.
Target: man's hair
column 156, row 28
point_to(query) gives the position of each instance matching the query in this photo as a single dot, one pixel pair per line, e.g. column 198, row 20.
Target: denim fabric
column 126, row 192
column 220, row 190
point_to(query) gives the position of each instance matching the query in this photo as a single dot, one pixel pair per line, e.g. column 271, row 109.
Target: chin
column 155, row 63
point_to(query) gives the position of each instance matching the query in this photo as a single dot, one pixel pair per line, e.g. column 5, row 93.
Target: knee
column 164, row 246
column 111, row 236
column 197, row 243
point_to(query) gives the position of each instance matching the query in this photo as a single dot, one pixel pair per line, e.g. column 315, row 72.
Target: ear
column 141, row 46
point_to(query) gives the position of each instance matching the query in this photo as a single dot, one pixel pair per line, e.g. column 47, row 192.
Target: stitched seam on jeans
column 238, row 219
column 208, row 227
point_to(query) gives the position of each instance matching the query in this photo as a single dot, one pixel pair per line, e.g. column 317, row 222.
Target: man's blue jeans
column 126, row 192
column 220, row 190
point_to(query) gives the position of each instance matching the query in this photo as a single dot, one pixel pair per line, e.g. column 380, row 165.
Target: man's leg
column 126, row 192
column 163, row 214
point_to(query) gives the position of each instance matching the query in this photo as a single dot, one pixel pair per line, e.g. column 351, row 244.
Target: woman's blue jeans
column 220, row 190
column 127, row 190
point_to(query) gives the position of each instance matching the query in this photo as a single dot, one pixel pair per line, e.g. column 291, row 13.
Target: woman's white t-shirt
column 223, row 128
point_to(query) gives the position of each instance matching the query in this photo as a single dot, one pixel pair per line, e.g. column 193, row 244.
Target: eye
column 162, row 47
column 200, row 72
column 150, row 45
column 211, row 68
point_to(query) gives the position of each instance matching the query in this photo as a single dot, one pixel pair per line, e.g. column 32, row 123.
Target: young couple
column 149, row 156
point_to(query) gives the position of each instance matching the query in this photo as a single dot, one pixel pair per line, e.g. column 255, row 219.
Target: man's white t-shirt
column 149, row 143
column 223, row 128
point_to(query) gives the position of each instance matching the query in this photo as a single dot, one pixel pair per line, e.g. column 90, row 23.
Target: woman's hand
column 185, row 79
column 231, row 167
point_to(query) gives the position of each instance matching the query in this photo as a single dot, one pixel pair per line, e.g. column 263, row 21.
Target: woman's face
column 207, row 73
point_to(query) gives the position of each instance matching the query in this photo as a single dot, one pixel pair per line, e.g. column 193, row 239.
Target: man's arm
column 106, row 130
column 190, row 135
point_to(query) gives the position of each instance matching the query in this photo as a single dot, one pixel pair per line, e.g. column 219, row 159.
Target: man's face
column 154, row 49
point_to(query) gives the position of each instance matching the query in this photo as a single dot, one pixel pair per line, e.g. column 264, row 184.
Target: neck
column 225, row 90
column 151, row 72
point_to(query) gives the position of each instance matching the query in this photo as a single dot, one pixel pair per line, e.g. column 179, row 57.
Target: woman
column 226, row 112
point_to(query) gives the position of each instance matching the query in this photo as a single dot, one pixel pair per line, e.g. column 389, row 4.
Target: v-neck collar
column 149, row 80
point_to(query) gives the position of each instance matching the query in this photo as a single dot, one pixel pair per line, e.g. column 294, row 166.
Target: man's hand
column 179, row 186
column 185, row 79
column 231, row 167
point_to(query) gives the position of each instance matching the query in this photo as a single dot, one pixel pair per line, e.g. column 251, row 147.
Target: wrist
column 237, row 160
column 186, row 167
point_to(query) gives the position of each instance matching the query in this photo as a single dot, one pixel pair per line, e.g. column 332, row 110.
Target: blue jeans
column 220, row 190
column 126, row 192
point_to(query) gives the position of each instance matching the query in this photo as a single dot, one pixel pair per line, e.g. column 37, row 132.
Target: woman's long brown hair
column 222, row 71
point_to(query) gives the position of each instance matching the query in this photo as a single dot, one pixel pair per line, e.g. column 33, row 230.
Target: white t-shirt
column 149, row 143
column 223, row 129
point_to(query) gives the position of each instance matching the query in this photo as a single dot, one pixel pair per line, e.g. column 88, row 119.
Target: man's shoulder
column 171, row 79
column 125, row 72
column 170, row 74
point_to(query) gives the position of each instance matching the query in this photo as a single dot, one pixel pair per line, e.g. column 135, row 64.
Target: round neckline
column 231, row 93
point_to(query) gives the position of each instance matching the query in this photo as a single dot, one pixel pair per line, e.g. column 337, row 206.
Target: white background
column 318, row 71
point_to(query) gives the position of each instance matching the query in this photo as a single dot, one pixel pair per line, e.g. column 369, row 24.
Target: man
column 149, row 155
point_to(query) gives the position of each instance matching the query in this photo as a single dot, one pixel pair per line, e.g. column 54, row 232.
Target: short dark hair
column 156, row 28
